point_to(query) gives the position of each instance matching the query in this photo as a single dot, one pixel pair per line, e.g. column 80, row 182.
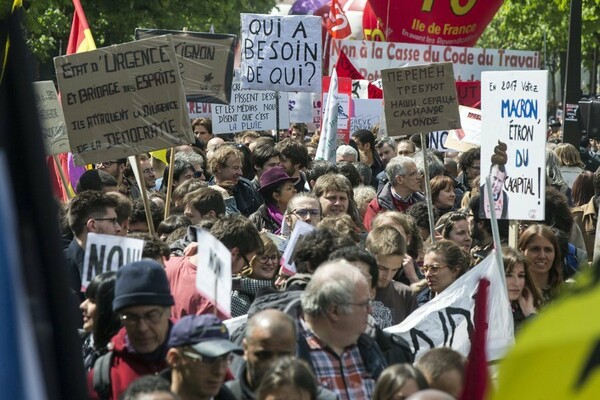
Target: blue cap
column 206, row 334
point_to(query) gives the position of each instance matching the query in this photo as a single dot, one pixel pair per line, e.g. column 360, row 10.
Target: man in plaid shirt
column 336, row 305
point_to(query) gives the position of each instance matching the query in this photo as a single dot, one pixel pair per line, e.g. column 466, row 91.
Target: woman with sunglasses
column 444, row 263
column 263, row 267
column 277, row 188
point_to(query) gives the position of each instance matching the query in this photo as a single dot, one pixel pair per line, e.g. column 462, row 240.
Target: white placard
column 199, row 110
column 513, row 105
column 105, row 253
column 52, row 120
column 367, row 113
column 213, row 276
column 300, row 229
column 250, row 110
column 469, row 135
column 447, row 319
column 281, row 53
column 305, row 107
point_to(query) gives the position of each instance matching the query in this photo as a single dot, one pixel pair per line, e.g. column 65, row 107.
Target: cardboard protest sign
column 250, row 110
column 513, row 149
column 420, row 99
column 370, row 58
column 469, row 136
column 105, row 253
column 281, row 52
column 199, row 110
column 123, row 100
column 52, row 120
column 287, row 258
column 205, row 63
column 366, row 113
column 447, row 319
column 213, row 276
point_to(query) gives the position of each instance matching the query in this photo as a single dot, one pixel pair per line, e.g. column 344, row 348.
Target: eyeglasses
column 198, row 174
column 148, row 171
column 415, row 173
column 208, row 360
column 111, row 220
column 265, row 258
column 303, row 212
column 105, row 164
column 368, row 303
column 151, row 317
column 432, row 269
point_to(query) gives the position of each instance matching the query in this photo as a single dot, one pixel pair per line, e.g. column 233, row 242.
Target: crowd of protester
column 368, row 264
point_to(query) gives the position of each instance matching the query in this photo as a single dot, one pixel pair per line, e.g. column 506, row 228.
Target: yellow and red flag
column 81, row 38
column 338, row 24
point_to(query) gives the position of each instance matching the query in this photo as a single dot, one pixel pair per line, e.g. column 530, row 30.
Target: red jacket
column 125, row 367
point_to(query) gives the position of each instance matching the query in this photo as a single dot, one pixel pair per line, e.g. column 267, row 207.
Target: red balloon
column 436, row 22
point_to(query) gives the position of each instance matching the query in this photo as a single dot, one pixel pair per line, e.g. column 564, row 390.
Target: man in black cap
column 199, row 351
column 142, row 302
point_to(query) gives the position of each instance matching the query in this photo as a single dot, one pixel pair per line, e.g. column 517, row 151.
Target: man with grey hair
column 346, row 153
column 386, row 148
column 400, row 193
column 336, row 306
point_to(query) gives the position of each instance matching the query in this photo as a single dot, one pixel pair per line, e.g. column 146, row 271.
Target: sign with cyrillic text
column 420, row 99
column 105, row 253
column 123, row 100
column 205, row 63
column 52, row 120
column 281, row 52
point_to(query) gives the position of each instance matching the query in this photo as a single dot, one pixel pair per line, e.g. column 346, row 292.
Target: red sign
column 436, row 22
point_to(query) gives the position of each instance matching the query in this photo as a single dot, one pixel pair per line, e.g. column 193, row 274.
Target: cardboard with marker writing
column 52, row 119
column 123, row 100
column 205, row 62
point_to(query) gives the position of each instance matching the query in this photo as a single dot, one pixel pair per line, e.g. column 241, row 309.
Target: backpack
column 101, row 378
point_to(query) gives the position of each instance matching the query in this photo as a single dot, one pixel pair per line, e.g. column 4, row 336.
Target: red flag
column 345, row 68
column 476, row 373
column 337, row 24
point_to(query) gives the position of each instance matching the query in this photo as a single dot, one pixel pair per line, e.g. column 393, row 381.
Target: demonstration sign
column 370, row 58
column 205, row 63
column 52, row 120
column 469, row 136
column 105, row 253
column 287, row 258
column 344, row 111
column 366, row 114
column 199, row 110
column 213, row 276
column 513, row 149
column 250, row 110
column 281, row 53
column 123, row 100
column 420, row 99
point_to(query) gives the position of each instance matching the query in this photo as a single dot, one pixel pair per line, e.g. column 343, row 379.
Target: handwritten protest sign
column 287, row 258
column 469, row 136
column 420, row 99
column 205, row 63
column 105, row 253
column 513, row 148
column 366, row 113
column 281, row 53
column 199, row 110
column 305, row 107
column 370, row 58
column 123, row 100
column 51, row 118
column 447, row 319
column 213, row 277
column 250, row 110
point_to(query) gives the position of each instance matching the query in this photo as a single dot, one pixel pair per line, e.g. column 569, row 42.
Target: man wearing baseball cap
column 142, row 301
column 198, row 357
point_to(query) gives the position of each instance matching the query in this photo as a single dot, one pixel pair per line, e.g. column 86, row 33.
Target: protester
column 454, row 226
column 400, row 193
column 182, row 171
column 263, row 267
column 100, row 323
column 170, row 224
column 444, row 369
column 386, row 149
column 346, row 153
column 117, row 169
column 294, row 158
column 554, row 176
column 363, row 195
column 142, row 300
column 204, row 203
column 198, row 358
column 583, row 188
column 336, row 306
column 264, row 157
column 96, row 179
column 586, row 216
column 393, row 301
column 303, row 207
column 150, row 387
column 442, row 193
column 202, row 128
column 124, row 208
column 398, row 382
column 348, row 169
column 570, row 162
column 147, row 172
column 318, row 168
column 540, row 245
column 469, row 163
column 240, row 237
column 336, row 196
column 525, row 298
column 343, row 225
column 365, row 174
column 290, row 379
column 187, row 187
column 277, row 189
column 406, row 148
column 444, row 263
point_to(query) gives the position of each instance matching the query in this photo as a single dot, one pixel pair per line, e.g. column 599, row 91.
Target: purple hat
column 273, row 177
column 204, row 333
